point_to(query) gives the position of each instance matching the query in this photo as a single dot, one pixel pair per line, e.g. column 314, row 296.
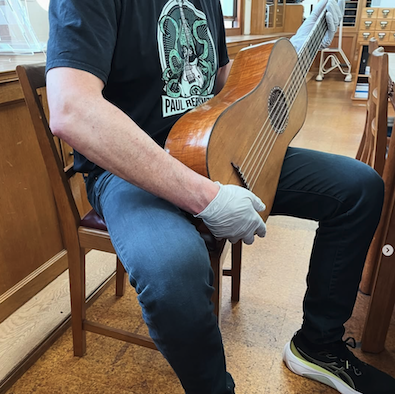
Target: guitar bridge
column 241, row 176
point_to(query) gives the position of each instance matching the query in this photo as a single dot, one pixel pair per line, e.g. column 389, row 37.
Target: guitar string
column 278, row 114
column 276, row 108
column 303, row 60
column 270, row 114
column 285, row 87
column 295, row 88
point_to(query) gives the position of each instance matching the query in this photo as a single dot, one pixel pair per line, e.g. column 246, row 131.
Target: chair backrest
column 379, row 101
column 32, row 80
column 379, row 154
column 374, row 142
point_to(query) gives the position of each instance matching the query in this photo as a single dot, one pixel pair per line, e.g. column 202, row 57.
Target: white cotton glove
column 233, row 214
column 333, row 15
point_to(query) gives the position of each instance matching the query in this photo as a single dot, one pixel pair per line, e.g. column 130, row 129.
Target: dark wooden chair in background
column 382, row 299
column 373, row 147
column 90, row 232
column 373, row 143
column 379, row 273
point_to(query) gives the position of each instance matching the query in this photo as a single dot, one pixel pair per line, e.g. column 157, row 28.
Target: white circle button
column 388, row 250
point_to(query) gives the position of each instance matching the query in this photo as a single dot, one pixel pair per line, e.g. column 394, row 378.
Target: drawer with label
column 391, row 37
column 384, row 24
column 368, row 24
column 369, row 13
column 365, row 36
column 386, row 13
column 382, row 36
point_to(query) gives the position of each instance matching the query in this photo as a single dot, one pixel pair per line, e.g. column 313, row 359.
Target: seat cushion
column 93, row 220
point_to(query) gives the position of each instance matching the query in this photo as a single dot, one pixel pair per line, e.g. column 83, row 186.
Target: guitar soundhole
column 278, row 110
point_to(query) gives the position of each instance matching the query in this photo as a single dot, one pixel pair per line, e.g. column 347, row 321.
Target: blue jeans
column 169, row 266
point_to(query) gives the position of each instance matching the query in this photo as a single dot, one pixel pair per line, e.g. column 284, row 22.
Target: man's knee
column 366, row 188
column 180, row 287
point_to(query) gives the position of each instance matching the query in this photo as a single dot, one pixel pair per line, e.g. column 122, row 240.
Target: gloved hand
column 233, row 214
column 334, row 14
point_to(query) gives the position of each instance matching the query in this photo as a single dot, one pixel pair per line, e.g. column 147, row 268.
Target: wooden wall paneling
column 293, row 17
column 29, row 230
column 258, row 16
column 29, row 286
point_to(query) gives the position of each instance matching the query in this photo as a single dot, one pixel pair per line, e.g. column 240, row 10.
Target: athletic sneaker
column 336, row 366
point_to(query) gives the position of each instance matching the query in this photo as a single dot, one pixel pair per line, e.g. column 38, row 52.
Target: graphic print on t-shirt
column 187, row 55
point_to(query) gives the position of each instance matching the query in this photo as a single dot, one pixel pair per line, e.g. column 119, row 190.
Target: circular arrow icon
column 388, row 250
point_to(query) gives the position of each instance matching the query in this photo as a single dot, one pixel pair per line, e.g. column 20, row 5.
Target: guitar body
column 241, row 135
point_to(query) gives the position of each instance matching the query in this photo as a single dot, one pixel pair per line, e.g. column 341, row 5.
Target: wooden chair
column 382, row 299
column 373, row 146
column 90, row 232
column 382, row 259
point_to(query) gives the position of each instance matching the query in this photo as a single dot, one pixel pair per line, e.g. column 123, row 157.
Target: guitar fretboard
column 306, row 57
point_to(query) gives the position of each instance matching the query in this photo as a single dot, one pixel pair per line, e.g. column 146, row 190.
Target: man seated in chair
column 113, row 71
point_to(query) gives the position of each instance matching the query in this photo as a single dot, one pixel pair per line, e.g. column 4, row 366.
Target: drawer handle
column 369, row 12
column 365, row 35
column 385, row 13
column 383, row 24
column 382, row 35
column 368, row 24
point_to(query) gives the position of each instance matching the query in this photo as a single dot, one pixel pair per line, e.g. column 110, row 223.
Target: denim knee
column 365, row 191
column 176, row 295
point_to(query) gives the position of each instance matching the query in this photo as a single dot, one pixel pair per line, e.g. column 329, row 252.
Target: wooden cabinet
column 374, row 22
column 267, row 16
column 280, row 13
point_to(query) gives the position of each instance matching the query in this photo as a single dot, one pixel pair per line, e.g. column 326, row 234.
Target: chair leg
column 76, row 258
column 359, row 155
column 216, row 264
column 382, row 299
column 381, row 308
column 120, row 279
column 371, row 262
column 236, row 271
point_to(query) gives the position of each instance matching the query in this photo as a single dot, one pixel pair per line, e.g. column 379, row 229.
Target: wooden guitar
column 241, row 135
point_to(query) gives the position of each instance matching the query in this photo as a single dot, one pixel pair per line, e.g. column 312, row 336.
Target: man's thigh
column 153, row 238
column 316, row 185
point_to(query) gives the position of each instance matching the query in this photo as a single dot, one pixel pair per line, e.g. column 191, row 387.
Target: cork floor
column 255, row 329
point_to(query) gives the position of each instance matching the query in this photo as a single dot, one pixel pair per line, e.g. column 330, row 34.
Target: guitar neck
column 306, row 57
column 312, row 45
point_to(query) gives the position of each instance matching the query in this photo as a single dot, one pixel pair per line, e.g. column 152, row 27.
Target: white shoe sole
column 314, row 372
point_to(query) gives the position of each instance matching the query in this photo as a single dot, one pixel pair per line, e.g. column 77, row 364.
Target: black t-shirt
column 157, row 58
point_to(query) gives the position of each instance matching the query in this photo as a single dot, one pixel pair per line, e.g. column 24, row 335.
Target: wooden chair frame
column 373, row 148
column 382, row 298
column 79, row 236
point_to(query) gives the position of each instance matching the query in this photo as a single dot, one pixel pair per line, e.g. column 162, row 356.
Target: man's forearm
column 109, row 138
